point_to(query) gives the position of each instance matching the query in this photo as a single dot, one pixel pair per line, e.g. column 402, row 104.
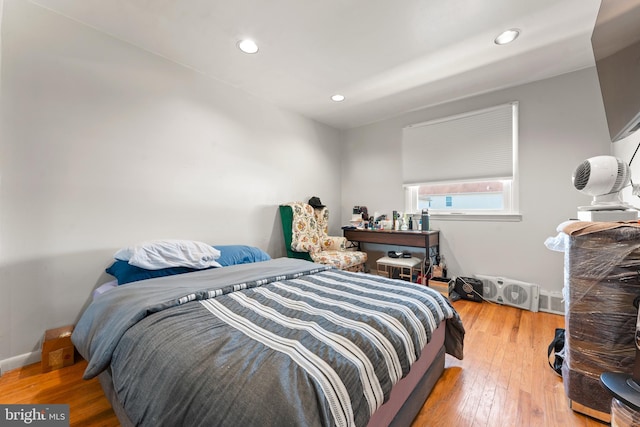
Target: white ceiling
column 387, row 57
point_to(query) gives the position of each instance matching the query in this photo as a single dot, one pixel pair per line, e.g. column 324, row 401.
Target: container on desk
column 424, row 222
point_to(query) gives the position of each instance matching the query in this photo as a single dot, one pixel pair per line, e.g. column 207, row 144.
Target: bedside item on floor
column 440, row 268
column 441, row 284
column 441, row 265
column 437, row 271
column 436, row 268
column 469, row 288
column 556, row 348
column 454, row 296
column 57, row 349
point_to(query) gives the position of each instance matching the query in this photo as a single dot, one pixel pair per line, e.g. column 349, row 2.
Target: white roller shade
column 476, row 145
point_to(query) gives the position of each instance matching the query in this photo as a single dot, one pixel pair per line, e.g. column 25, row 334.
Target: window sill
column 463, row 216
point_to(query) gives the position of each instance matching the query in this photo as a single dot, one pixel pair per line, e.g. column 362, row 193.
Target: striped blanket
column 282, row 342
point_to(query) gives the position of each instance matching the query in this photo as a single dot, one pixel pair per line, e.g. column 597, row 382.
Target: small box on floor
column 441, row 284
column 57, row 349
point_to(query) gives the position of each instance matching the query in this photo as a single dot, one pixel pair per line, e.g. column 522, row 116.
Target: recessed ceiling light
column 248, row 46
column 507, row 36
column 337, row 97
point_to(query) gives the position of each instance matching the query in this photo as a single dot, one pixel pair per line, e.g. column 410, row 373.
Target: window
column 461, row 197
column 465, row 164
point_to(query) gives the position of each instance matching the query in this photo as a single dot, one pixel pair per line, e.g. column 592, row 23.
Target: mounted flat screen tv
column 616, row 48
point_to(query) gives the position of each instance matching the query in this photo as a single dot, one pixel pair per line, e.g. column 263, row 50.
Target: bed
column 270, row 343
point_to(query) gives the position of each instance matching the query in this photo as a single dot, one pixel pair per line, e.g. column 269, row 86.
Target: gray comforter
column 275, row 343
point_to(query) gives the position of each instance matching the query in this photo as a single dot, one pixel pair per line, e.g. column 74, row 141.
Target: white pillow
column 157, row 254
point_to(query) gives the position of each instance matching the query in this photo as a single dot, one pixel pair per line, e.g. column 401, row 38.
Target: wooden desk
column 429, row 240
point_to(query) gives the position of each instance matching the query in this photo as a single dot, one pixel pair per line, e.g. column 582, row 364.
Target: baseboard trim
column 19, row 361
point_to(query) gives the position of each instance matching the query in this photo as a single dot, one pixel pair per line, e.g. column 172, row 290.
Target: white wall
column 624, row 149
column 104, row 145
column 561, row 124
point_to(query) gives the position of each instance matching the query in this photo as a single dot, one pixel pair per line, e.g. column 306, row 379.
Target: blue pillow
column 229, row 255
column 127, row 273
column 240, row 254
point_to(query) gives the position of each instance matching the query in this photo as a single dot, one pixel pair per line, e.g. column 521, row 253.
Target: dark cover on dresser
column 602, row 261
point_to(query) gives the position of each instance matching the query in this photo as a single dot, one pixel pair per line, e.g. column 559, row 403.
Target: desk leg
column 431, row 253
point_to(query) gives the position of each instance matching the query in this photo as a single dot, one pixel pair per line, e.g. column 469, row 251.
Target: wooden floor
column 504, row 379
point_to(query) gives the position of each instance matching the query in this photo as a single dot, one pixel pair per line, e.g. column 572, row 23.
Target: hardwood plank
column 87, row 404
column 504, row 379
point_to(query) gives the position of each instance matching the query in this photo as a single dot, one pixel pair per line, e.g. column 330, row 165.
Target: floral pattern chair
column 306, row 237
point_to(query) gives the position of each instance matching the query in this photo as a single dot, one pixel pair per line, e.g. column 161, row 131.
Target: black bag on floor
column 557, row 349
column 469, row 288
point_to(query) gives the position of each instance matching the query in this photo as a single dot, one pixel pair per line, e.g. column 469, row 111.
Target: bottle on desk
column 425, row 220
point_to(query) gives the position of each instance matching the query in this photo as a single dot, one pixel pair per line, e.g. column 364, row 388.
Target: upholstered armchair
column 306, row 237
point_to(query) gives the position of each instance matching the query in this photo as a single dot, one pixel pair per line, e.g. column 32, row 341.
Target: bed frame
column 406, row 399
